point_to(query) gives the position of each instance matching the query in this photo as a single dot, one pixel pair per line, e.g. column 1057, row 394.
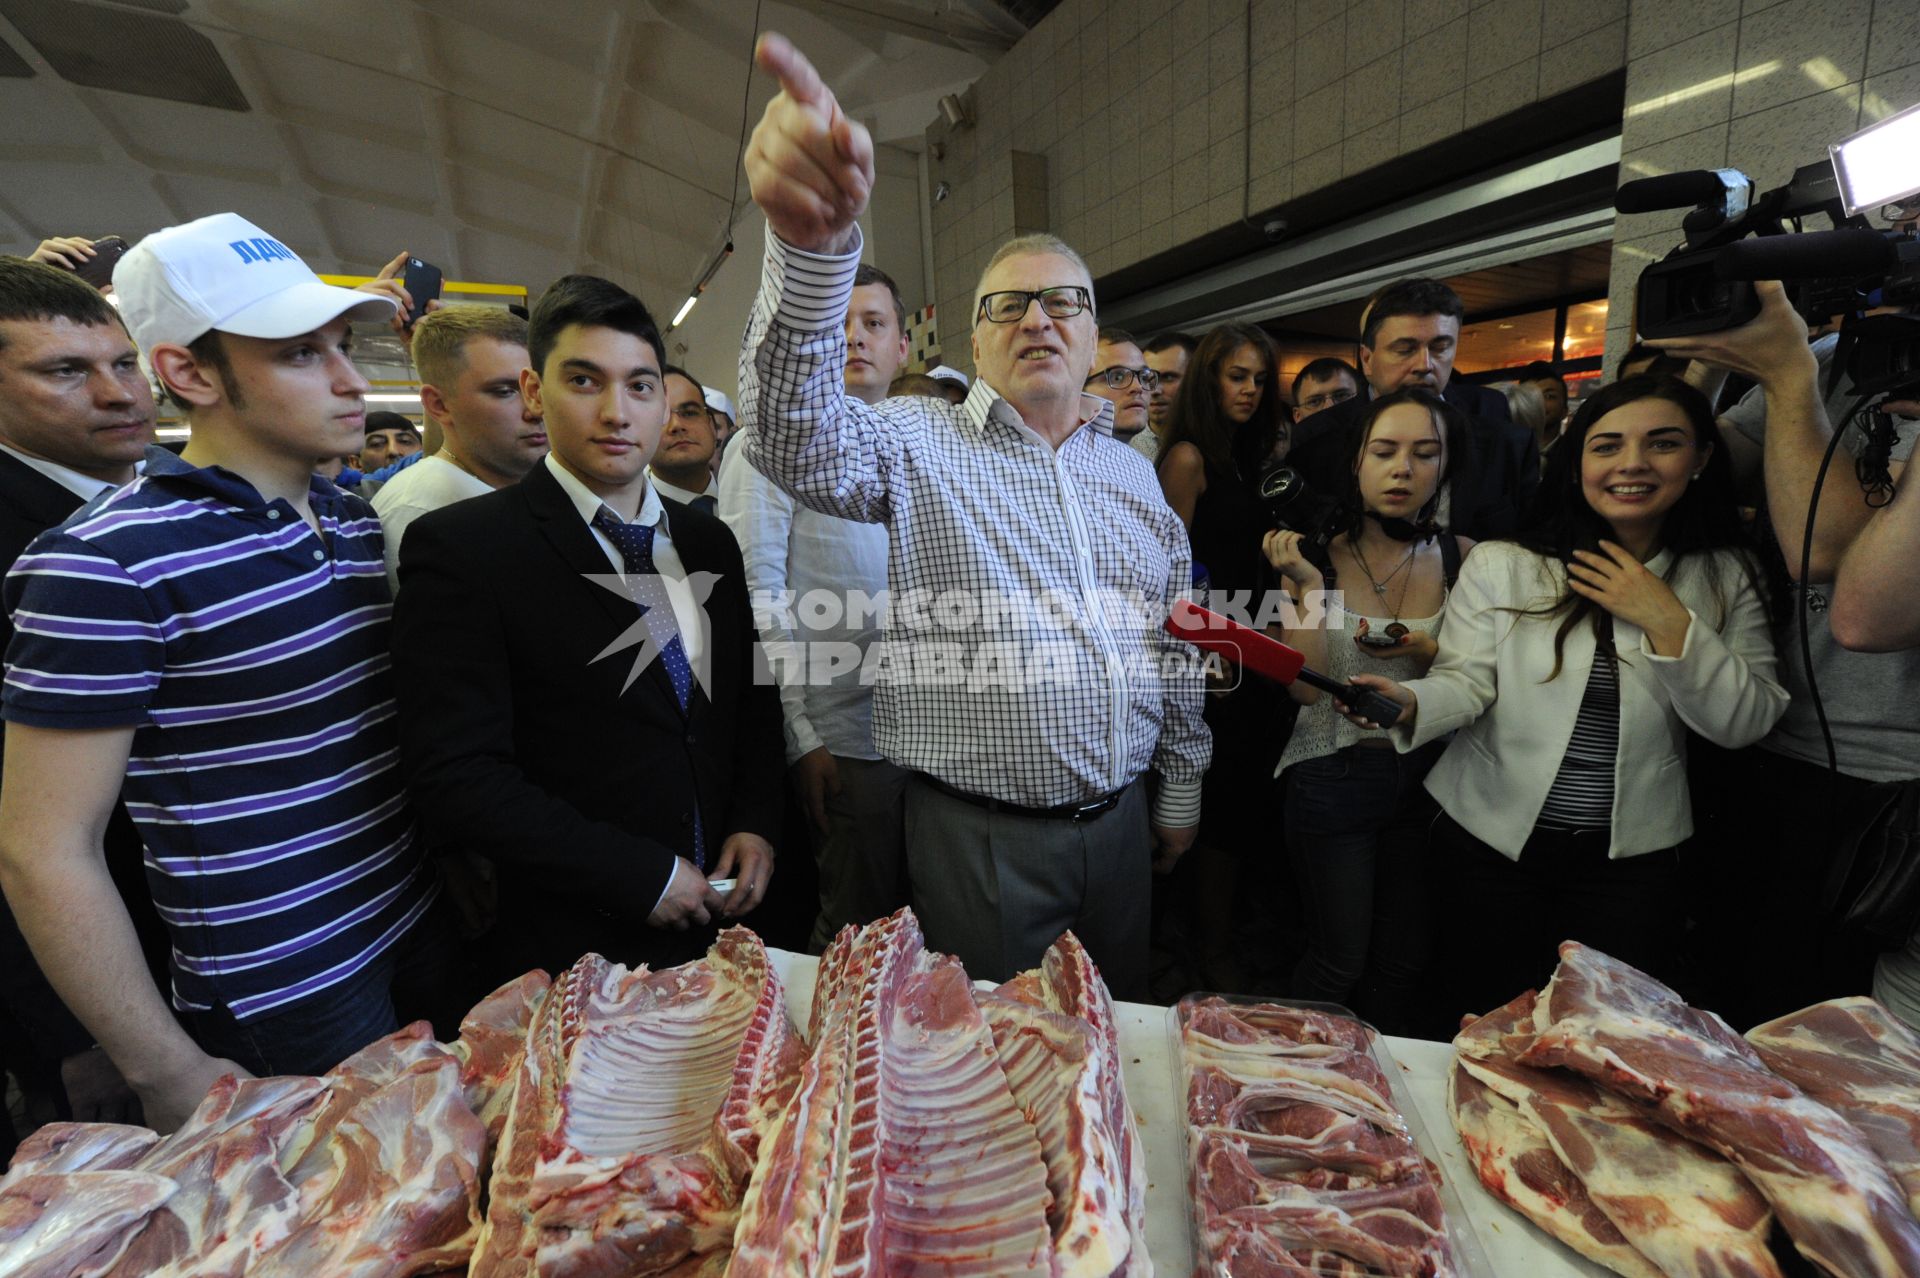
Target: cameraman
column 1769, row 864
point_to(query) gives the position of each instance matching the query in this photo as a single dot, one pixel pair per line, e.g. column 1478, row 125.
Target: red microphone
column 1250, row 650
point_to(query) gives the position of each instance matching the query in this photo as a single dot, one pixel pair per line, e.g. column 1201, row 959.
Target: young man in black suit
column 576, row 663
column 76, row 416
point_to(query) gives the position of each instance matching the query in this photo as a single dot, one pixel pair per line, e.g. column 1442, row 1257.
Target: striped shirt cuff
column 811, row 291
column 1177, row 806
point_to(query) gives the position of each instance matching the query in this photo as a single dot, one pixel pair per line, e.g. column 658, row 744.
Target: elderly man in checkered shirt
column 1026, row 681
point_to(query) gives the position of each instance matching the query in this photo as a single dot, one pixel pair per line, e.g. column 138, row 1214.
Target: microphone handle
column 1364, row 702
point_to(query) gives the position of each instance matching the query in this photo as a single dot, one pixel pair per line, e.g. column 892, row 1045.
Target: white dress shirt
column 681, row 495
column 425, row 486
column 687, row 613
column 981, row 508
column 793, row 553
column 85, row 487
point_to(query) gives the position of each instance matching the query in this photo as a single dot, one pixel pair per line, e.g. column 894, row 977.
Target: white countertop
column 1514, row 1248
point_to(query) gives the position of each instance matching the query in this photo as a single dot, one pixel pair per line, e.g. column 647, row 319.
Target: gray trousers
column 862, row 856
column 996, row 890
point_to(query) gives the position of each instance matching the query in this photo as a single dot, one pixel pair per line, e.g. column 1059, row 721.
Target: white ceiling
column 505, row 142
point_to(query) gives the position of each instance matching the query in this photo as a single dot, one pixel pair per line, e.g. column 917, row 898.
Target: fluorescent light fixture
column 1880, row 164
column 684, row 308
column 391, row 399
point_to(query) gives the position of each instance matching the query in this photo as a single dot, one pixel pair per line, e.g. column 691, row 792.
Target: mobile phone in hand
column 98, row 269
column 422, row 282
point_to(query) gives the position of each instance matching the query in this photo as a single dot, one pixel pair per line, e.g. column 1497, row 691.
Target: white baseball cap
column 942, row 373
column 718, row 401
column 223, row 272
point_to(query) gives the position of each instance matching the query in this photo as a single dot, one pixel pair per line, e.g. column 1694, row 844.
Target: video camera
column 1734, row 237
column 1295, row 507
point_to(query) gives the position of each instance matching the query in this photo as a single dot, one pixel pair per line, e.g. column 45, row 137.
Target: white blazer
column 1489, row 683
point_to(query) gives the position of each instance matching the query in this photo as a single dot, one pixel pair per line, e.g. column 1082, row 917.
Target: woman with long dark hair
column 1370, row 600
column 1225, row 424
column 1574, row 661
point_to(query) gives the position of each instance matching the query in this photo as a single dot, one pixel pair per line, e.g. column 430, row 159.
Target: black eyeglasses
column 1119, row 377
column 1011, row 305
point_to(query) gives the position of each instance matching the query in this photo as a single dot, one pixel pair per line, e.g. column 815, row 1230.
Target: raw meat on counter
column 903, row 1152
column 1573, row 1152
column 1638, row 1039
column 1055, row 1034
column 1300, row 1162
column 637, row 1113
column 1853, row 1055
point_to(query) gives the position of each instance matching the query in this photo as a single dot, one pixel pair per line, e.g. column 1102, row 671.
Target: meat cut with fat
column 1634, row 1036
column 638, row 1109
column 902, row 1152
column 1299, row 1161
column 400, row 1191
column 1677, row 1204
column 1058, row 1043
column 1512, row 1158
column 74, row 1224
column 1853, row 1055
column 492, row 1038
column 72, row 1147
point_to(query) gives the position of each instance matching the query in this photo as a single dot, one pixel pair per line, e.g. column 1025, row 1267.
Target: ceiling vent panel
column 126, row 51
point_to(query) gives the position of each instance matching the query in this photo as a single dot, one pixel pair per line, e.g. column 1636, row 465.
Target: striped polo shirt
column 250, row 655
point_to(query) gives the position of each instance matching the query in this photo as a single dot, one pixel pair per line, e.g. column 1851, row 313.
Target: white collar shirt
column 85, row 487
column 1009, row 673
column 666, row 560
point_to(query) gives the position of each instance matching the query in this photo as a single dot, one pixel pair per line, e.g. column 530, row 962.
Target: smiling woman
column 1574, row 662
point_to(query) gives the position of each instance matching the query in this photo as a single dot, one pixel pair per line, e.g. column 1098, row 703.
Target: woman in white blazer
column 1573, row 662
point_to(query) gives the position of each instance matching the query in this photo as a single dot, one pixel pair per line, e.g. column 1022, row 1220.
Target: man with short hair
column 76, row 417
column 1030, row 682
column 211, row 640
column 1121, row 377
column 1167, row 355
column 389, row 437
column 1409, row 336
column 469, row 358
column 1323, row 383
column 1553, row 389
column 576, row 666
column 876, row 334
column 682, row 466
column 854, row 800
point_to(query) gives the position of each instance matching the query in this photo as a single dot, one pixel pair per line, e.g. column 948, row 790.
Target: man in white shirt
column 854, row 799
column 1031, row 561
column 683, row 467
column 469, row 358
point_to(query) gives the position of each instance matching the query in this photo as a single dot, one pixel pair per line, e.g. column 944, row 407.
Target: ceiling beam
column 900, row 19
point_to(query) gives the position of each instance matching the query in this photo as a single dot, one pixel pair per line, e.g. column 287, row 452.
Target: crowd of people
column 328, row 721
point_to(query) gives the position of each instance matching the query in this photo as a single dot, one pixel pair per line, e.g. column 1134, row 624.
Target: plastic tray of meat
column 1305, row 1154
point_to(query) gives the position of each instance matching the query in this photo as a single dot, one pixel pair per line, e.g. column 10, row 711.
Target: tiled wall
column 1758, row 85
column 1142, row 109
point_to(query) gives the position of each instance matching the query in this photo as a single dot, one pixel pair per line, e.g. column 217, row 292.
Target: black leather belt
column 1063, row 812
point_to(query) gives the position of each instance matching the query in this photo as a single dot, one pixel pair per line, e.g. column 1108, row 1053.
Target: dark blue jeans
column 423, row 976
column 1357, row 837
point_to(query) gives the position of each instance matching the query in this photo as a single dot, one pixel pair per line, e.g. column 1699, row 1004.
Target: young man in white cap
column 213, row 638
column 952, row 381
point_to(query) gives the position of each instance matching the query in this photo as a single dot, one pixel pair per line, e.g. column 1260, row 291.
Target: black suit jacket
column 519, row 742
column 30, row 503
column 1493, row 486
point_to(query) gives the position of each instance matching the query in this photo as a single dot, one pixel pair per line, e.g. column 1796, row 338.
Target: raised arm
column 1875, row 607
column 810, row 170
